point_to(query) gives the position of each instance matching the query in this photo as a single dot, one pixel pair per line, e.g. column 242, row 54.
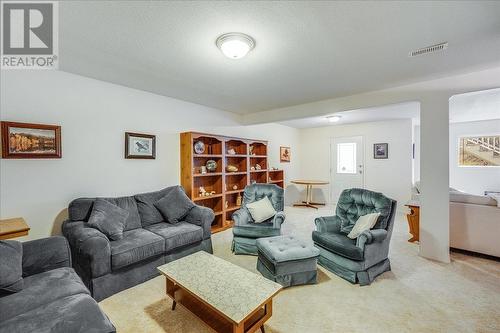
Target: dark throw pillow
column 175, row 205
column 11, row 266
column 108, row 218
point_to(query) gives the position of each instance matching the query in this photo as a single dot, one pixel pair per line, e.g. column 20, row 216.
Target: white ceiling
column 305, row 51
column 474, row 106
column 388, row 112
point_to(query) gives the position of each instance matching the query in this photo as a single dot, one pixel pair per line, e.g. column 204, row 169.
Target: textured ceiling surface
column 474, row 106
column 305, row 51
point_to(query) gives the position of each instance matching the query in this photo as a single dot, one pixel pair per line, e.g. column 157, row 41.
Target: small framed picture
column 284, row 154
column 380, row 151
column 23, row 140
column 140, row 146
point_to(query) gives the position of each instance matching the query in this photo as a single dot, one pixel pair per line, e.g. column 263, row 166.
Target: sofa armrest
column 241, row 217
column 328, row 224
column 203, row 217
column 371, row 236
column 278, row 219
column 91, row 248
column 45, row 254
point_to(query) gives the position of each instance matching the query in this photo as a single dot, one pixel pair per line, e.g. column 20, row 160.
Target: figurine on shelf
column 227, row 204
column 238, row 200
column 251, row 150
column 258, row 167
column 202, row 191
column 235, row 187
column 231, row 151
column 252, row 168
column 212, row 193
column 203, row 169
column 231, row 168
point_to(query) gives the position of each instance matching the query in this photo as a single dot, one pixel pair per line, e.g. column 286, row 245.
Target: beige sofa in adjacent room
column 474, row 222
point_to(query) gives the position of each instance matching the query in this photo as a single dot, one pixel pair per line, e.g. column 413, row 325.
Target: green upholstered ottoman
column 287, row 260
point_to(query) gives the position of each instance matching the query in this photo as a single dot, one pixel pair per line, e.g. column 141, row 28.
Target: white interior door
column 347, row 162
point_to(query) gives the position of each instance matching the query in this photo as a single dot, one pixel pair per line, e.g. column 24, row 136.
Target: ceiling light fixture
column 333, row 119
column 235, row 45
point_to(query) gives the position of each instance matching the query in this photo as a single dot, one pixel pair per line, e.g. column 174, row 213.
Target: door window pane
column 346, row 157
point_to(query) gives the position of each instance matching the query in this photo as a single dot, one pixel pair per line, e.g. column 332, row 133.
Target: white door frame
column 332, row 167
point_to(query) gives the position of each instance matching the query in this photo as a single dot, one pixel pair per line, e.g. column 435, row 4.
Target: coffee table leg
column 262, row 329
column 174, row 303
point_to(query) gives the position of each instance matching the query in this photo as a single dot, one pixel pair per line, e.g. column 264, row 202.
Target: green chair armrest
column 328, row 224
column 371, row 236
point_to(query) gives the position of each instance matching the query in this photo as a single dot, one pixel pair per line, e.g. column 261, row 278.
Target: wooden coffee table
column 224, row 296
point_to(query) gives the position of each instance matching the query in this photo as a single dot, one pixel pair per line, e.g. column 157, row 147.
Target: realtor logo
column 29, row 35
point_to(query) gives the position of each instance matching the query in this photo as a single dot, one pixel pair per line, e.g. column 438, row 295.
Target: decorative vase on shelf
column 211, row 166
column 238, row 200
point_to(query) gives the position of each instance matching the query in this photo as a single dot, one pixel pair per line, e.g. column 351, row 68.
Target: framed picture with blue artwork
column 140, row 146
column 381, row 151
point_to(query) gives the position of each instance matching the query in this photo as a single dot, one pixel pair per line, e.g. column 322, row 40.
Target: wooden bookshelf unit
column 224, row 185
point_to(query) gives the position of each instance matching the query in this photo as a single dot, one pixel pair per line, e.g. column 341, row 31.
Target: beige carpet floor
column 418, row 295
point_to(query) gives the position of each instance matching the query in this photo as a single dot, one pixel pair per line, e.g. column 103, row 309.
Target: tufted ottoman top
column 286, row 248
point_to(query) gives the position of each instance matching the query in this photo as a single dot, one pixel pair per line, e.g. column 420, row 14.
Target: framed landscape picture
column 140, row 146
column 23, row 140
column 284, row 154
column 380, row 151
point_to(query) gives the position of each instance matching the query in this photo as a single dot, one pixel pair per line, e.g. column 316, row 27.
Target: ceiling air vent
column 429, row 49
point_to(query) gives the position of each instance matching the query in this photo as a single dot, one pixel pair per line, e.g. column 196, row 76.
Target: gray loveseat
column 53, row 298
column 108, row 267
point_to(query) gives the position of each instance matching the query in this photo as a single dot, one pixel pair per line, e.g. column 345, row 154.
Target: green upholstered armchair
column 358, row 260
column 245, row 231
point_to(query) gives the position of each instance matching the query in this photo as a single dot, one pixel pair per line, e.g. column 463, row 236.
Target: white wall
column 94, row 116
column 390, row 176
column 473, row 180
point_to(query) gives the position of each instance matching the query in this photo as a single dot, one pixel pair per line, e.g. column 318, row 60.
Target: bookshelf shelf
column 224, row 150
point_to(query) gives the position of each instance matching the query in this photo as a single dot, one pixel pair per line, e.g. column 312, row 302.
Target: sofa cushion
column 11, row 266
column 41, row 289
column 108, row 218
column 339, row 244
column 356, row 202
column 364, row 222
column 484, row 200
column 75, row 313
column 261, row 210
column 255, row 230
column 135, row 246
column 174, row 205
column 177, row 235
column 147, row 210
column 80, row 210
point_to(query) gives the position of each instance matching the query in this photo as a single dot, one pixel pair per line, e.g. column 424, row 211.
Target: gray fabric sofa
column 108, row 267
column 54, row 298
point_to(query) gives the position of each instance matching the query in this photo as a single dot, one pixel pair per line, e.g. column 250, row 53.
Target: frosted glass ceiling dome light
column 235, row 45
column 333, row 119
